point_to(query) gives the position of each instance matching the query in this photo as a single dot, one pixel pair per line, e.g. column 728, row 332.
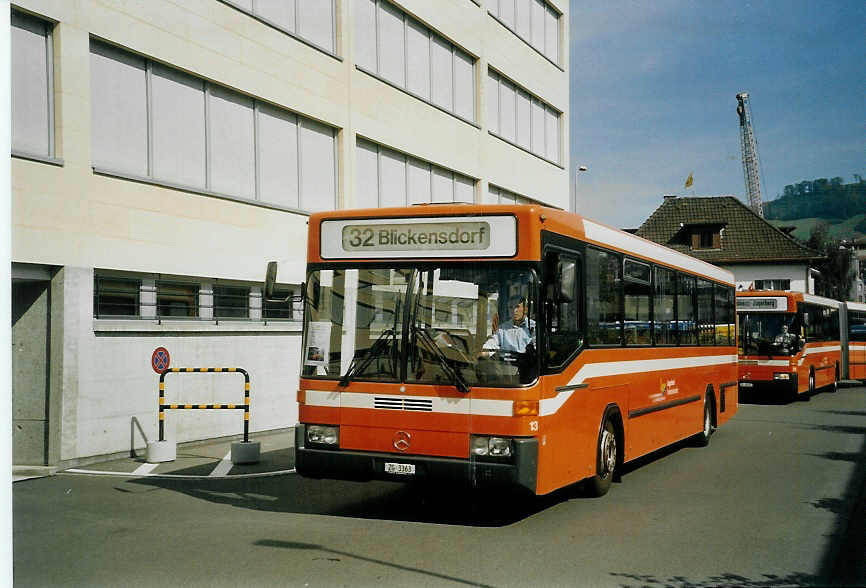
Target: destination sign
column 779, row 303
column 490, row 236
column 399, row 237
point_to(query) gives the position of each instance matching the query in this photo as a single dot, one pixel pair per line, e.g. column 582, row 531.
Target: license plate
column 745, row 384
column 406, row 469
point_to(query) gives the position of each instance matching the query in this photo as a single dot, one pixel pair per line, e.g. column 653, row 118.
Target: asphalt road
column 776, row 499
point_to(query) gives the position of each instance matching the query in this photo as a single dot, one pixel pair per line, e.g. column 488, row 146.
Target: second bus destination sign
column 420, row 237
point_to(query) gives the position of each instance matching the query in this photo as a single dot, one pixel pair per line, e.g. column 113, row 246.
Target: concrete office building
column 164, row 151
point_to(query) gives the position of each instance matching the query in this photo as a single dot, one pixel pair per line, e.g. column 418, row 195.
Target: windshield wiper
column 355, row 367
column 452, row 371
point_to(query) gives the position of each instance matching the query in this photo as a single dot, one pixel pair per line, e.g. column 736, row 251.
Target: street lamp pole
column 580, row 168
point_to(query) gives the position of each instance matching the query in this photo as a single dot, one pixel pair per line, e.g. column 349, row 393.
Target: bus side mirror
column 565, row 278
column 270, row 280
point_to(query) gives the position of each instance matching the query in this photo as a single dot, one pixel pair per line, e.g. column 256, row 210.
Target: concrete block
column 246, row 452
column 161, row 451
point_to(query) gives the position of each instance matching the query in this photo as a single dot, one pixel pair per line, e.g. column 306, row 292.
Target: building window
column 155, row 122
column 534, row 21
column 176, row 300
column 515, row 115
column 281, row 307
column 706, row 239
column 313, row 22
column 397, row 48
column 231, row 302
column 32, row 86
column 497, row 195
column 116, row 297
column 772, row 284
column 389, row 178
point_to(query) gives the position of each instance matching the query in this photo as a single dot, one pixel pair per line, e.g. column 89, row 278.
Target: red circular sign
column 160, row 360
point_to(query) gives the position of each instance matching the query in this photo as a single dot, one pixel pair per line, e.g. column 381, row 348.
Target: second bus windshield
column 441, row 325
column 768, row 333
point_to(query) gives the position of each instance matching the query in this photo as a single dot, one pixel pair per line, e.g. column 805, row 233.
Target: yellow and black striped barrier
column 245, row 406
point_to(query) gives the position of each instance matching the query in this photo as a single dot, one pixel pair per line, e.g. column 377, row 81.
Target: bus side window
column 564, row 335
column 603, row 297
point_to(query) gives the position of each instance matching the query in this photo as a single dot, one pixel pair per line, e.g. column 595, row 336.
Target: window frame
column 617, row 262
column 432, row 36
column 537, row 132
column 409, row 161
column 50, row 156
column 259, row 109
column 493, row 11
column 294, row 34
column 99, row 279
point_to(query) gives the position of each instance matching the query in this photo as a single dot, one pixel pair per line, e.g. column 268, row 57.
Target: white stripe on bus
column 547, row 406
column 814, row 350
column 610, row 368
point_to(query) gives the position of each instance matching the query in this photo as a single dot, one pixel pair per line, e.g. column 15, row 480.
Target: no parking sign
column 160, row 360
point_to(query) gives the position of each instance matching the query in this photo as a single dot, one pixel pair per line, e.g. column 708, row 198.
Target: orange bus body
column 658, row 393
column 816, row 360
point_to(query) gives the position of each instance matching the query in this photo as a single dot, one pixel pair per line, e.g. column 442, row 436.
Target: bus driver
column 513, row 335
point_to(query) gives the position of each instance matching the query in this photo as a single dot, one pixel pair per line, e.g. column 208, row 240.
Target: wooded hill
column 842, row 206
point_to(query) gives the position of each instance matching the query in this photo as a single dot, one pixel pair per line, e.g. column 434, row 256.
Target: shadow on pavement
column 455, row 505
column 337, row 555
column 422, row 502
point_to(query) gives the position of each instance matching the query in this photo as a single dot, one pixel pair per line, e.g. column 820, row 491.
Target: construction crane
column 749, row 151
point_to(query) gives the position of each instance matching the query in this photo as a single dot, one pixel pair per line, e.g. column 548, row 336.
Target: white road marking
column 222, row 467
column 144, row 469
column 169, row 475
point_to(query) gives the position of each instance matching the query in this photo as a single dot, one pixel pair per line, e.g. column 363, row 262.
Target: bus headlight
column 781, row 376
column 323, row 435
column 483, row 446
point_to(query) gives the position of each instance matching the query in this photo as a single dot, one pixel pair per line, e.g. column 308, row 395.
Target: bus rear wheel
column 606, row 460
column 703, row 438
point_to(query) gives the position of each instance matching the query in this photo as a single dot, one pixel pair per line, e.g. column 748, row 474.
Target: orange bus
column 789, row 342
column 505, row 345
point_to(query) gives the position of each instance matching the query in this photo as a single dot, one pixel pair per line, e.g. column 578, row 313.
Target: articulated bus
column 504, row 345
column 794, row 343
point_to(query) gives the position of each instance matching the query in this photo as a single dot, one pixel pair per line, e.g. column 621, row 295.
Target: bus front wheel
column 606, row 459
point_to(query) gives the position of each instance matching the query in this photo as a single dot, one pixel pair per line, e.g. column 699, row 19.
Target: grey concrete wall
column 108, row 382
column 30, row 305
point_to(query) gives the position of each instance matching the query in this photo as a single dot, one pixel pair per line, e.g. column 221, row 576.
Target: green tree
column 837, row 275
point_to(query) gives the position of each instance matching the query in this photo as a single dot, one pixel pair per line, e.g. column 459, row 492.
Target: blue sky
column 653, row 86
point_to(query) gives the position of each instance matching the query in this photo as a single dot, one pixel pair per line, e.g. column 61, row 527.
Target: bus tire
column 702, row 439
column 808, row 395
column 607, row 457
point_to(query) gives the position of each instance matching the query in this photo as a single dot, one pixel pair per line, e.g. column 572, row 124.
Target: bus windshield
column 440, row 325
column 768, row 333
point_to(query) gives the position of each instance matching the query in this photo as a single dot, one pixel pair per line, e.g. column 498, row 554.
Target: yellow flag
column 690, row 180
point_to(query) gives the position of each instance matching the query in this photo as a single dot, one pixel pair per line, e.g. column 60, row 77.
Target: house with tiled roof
column 723, row 231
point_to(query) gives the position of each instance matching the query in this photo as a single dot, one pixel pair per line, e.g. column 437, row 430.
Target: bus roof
column 514, row 233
